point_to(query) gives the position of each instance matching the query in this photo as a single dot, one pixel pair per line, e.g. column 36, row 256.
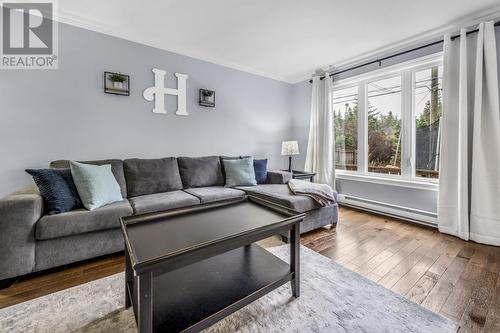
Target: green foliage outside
column 424, row 120
column 383, row 131
column 346, row 133
column 383, row 134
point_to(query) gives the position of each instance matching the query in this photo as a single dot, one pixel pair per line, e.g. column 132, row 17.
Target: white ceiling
column 282, row 39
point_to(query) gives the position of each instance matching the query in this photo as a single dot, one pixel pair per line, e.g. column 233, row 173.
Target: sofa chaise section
column 316, row 216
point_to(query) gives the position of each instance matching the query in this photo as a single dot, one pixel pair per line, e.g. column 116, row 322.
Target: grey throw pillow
column 239, row 172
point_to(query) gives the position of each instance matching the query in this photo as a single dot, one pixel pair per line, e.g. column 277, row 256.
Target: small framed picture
column 116, row 84
column 207, row 98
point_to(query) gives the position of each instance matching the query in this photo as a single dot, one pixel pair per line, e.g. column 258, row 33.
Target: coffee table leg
column 295, row 258
column 145, row 303
column 129, row 279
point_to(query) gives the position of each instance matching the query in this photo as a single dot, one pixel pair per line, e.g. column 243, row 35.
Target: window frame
column 365, row 115
column 342, row 87
column 406, row 70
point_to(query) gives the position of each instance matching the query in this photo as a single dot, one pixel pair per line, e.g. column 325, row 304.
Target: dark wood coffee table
column 187, row 269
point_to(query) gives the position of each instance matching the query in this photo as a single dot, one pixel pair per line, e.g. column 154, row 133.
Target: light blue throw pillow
column 96, row 184
column 239, row 172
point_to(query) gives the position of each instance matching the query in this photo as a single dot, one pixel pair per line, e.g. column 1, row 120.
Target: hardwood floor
column 458, row 279
column 44, row 283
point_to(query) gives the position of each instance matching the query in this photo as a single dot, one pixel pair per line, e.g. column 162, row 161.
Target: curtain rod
column 379, row 60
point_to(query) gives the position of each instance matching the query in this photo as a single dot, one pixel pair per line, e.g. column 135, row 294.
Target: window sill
column 387, row 180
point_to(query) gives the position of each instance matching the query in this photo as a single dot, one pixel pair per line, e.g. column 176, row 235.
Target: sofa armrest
column 336, row 196
column 19, row 213
column 278, row 177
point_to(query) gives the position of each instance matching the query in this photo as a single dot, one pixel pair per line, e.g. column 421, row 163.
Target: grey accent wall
column 64, row 114
column 413, row 198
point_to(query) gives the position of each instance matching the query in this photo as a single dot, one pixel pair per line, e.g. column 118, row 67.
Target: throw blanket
column 321, row 193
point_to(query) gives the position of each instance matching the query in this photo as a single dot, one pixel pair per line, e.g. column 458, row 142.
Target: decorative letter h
column 159, row 91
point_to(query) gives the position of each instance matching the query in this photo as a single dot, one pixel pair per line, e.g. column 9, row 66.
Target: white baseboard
column 401, row 212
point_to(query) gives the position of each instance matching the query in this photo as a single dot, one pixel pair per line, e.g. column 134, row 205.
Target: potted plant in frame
column 207, row 97
column 117, row 79
column 207, row 94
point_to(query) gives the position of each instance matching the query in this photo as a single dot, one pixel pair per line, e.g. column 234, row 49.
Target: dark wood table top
column 160, row 237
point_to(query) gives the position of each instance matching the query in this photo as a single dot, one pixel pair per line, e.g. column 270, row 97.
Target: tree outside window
column 410, row 95
column 345, row 112
column 384, row 126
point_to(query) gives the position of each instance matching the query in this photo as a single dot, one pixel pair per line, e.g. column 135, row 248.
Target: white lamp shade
column 290, row 148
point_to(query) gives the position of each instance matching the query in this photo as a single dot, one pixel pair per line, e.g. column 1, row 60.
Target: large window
column 428, row 111
column 384, row 126
column 388, row 122
column 345, row 113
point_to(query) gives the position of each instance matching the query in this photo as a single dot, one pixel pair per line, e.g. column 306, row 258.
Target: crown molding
column 470, row 20
column 96, row 26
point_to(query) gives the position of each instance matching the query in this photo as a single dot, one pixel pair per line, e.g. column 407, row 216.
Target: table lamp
column 289, row 148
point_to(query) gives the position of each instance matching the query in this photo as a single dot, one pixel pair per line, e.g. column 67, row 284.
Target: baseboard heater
column 405, row 213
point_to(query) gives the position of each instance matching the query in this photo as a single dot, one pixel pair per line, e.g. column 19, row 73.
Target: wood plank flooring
column 458, row 279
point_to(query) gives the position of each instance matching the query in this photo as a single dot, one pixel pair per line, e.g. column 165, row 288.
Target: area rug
column 333, row 299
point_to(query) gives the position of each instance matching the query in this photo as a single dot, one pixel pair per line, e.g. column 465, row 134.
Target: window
column 384, row 126
column 387, row 122
column 345, row 114
column 428, row 111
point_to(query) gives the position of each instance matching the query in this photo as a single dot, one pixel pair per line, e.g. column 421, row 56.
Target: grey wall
column 47, row 115
column 413, row 198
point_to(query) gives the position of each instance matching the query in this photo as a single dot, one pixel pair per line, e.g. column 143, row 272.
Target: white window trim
column 407, row 72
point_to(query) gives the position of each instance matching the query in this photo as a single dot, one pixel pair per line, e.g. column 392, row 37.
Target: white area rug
column 333, row 299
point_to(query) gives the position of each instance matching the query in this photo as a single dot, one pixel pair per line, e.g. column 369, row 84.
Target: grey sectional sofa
column 31, row 241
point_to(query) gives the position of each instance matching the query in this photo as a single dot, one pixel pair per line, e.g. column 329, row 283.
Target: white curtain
column 469, row 184
column 319, row 157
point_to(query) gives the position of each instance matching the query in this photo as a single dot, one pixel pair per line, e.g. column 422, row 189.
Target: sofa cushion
column 116, row 168
column 278, row 177
column 222, row 158
column 215, row 193
column 239, row 172
column 81, row 221
column 57, row 188
column 200, row 171
column 96, row 185
column 148, row 176
column 162, row 201
column 281, row 195
column 260, row 168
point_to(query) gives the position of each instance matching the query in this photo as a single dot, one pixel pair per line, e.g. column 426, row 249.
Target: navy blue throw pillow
column 57, row 189
column 260, row 167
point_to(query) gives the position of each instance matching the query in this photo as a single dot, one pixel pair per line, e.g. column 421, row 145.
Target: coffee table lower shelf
column 194, row 297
